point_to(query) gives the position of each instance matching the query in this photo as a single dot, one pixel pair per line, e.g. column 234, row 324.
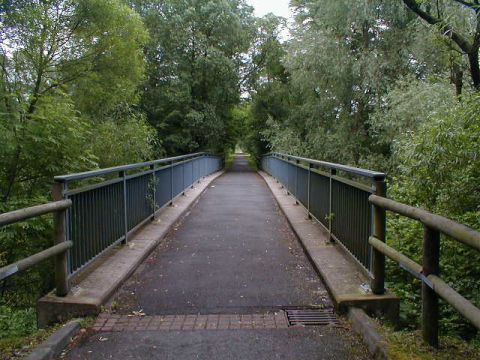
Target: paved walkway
column 215, row 288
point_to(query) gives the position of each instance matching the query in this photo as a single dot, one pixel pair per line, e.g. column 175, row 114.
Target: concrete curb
column 342, row 276
column 55, row 343
column 364, row 326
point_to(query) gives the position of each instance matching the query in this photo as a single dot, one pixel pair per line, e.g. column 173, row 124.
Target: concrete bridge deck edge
column 340, row 273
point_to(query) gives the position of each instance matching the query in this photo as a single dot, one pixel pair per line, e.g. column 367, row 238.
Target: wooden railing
column 59, row 250
column 433, row 286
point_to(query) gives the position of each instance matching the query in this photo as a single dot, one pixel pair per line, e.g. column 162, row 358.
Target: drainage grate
column 311, row 317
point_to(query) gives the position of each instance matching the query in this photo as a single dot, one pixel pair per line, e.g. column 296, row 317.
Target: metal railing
column 59, row 250
column 355, row 216
column 103, row 214
column 337, row 202
column 432, row 285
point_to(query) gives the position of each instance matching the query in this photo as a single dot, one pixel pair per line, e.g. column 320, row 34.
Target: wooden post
column 431, row 266
column 379, row 228
column 62, row 286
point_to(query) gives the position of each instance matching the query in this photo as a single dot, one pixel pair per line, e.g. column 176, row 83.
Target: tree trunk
column 456, row 79
column 474, row 67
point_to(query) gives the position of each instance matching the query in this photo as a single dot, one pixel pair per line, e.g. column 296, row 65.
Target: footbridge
column 186, row 258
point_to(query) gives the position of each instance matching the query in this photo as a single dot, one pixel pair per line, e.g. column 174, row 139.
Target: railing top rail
column 460, row 232
column 100, row 172
column 349, row 169
column 33, row 211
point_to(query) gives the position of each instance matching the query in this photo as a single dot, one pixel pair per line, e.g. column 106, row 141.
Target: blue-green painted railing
column 104, row 213
column 335, row 201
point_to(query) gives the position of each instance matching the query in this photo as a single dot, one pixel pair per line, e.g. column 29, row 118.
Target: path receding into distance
column 216, row 286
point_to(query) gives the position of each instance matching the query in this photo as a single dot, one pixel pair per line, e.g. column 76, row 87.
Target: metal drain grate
column 311, row 317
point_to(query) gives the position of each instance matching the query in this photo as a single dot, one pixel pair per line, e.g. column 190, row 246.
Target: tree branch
column 446, row 28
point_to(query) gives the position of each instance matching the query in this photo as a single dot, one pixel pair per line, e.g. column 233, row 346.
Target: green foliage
column 15, row 323
column 439, row 169
column 194, row 60
column 56, row 132
column 69, row 77
column 368, row 84
column 126, row 141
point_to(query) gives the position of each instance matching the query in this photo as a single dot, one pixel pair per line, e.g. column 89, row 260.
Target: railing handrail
column 32, row 260
column 376, row 175
column 433, row 286
column 105, row 171
column 459, row 232
column 452, row 297
column 58, row 250
column 33, row 211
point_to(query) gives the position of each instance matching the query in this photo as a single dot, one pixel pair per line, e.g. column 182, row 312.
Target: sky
column 278, row 7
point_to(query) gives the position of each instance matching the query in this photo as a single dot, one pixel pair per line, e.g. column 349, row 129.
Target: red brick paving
column 114, row 322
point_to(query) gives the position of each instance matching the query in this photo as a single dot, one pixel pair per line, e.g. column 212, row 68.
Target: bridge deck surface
column 233, row 253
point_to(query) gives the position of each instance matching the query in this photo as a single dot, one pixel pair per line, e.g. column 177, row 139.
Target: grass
column 19, row 333
column 409, row 345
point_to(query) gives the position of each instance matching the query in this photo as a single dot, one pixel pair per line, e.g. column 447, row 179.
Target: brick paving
column 114, row 322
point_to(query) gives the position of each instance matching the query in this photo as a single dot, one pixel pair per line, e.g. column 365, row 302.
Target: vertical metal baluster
column 171, row 183
column 193, row 181
column 309, row 216
column 333, row 172
column 183, row 178
column 92, row 248
column 154, row 190
column 85, row 228
column 297, row 164
column 123, row 175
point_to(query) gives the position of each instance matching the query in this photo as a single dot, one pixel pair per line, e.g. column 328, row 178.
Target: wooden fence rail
column 59, row 250
column 433, row 286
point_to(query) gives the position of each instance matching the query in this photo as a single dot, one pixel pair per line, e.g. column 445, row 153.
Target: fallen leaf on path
column 138, row 313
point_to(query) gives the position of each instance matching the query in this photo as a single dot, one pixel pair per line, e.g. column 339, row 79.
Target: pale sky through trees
column 278, row 7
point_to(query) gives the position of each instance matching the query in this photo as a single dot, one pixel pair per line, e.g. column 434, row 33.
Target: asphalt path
column 233, row 253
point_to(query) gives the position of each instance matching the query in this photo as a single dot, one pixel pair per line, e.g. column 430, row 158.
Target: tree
column 64, row 66
column 456, row 24
column 194, row 60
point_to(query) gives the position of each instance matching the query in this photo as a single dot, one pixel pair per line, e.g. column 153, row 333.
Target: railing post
column 123, row 175
column 62, row 286
column 288, row 175
column 379, row 229
column 183, row 178
column 193, row 181
column 308, row 190
column 154, row 190
column 333, row 172
column 171, row 183
column 431, row 266
column 297, row 164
